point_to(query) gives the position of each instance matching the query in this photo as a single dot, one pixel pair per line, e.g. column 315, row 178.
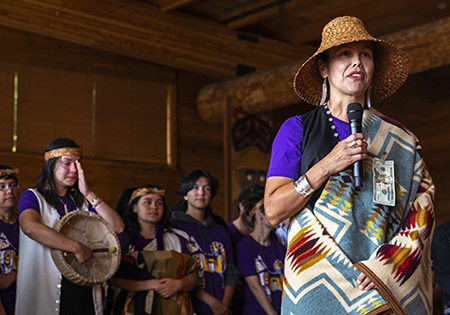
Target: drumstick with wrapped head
column 110, row 250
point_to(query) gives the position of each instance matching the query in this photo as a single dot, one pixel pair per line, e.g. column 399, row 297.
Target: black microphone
column 354, row 115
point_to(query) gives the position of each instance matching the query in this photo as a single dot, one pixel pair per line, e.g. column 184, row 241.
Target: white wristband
column 302, row 186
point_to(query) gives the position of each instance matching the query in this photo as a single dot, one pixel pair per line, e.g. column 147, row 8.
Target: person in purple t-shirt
column 9, row 238
column 260, row 260
column 243, row 224
column 208, row 242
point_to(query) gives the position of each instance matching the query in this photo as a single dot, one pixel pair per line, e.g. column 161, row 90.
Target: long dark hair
column 123, row 201
column 130, row 218
column 45, row 184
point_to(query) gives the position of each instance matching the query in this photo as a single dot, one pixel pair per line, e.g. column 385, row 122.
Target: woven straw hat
column 391, row 64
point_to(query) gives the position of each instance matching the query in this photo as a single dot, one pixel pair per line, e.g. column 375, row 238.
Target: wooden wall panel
column 131, row 120
column 6, row 106
column 56, row 73
column 24, row 48
column 52, row 103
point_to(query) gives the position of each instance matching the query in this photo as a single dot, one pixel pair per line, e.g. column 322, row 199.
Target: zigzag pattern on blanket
column 331, row 275
column 405, row 260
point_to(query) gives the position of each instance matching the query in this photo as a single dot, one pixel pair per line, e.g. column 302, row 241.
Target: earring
column 324, row 91
column 369, row 92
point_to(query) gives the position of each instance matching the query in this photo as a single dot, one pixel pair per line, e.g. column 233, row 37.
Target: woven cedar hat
column 391, row 64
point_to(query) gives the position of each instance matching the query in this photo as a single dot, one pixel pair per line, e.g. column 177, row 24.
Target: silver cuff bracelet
column 302, row 186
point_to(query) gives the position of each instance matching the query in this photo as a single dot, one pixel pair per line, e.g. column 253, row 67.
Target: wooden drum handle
column 110, row 250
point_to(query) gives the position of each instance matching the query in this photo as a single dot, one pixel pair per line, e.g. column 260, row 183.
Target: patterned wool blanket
column 347, row 233
column 157, row 265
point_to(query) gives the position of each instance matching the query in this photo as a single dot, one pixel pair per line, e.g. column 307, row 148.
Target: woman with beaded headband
column 353, row 248
column 147, row 229
column 260, row 259
column 147, row 223
column 61, row 188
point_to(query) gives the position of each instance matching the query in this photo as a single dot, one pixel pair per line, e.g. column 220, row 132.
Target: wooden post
column 227, row 157
column 171, row 127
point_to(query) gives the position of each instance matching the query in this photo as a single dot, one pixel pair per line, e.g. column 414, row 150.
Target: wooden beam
column 427, row 46
column 140, row 30
column 253, row 18
column 170, row 5
column 253, row 12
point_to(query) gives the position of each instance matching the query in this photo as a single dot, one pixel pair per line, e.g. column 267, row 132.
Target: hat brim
column 391, row 71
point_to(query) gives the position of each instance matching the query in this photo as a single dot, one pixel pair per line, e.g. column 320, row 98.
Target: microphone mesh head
column 354, row 111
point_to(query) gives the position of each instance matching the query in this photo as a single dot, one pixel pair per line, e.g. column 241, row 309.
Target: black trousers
column 75, row 299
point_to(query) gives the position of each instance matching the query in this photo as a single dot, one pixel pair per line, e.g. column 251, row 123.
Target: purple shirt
column 9, row 248
column 235, row 235
column 286, row 147
column 131, row 243
column 28, row 200
column 265, row 262
column 211, row 248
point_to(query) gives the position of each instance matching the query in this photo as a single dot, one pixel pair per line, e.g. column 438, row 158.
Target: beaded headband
column 255, row 207
column 145, row 191
column 62, row 152
column 9, row 171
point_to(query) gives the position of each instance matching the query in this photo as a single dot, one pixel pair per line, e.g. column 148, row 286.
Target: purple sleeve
column 28, row 200
column 124, row 240
column 184, row 248
column 245, row 259
column 286, row 149
column 92, row 209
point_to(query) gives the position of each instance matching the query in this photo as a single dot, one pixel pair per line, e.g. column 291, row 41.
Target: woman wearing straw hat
column 353, row 247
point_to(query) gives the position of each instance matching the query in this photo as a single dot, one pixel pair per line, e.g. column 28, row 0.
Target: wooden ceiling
column 300, row 22
column 218, row 38
column 224, row 38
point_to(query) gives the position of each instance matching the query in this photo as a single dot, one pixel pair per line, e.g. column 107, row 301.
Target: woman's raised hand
column 82, row 185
